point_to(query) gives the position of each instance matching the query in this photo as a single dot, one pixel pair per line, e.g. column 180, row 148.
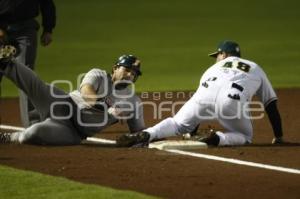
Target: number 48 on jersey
column 239, row 65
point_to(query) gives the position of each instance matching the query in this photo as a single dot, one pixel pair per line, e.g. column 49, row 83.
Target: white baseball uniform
column 223, row 93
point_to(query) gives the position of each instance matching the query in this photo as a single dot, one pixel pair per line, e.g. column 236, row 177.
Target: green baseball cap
column 227, row 46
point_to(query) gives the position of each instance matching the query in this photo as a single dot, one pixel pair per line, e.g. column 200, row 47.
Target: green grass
column 172, row 38
column 17, row 184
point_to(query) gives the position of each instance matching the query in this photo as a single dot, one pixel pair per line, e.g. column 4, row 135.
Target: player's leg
column 40, row 94
column 238, row 132
column 48, row 132
column 191, row 114
column 166, row 128
column 186, row 120
column 235, row 120
column 27, row 43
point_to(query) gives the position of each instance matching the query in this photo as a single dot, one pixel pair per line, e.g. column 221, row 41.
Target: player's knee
column 231, row 139
column 31, row 135
column 184, row 128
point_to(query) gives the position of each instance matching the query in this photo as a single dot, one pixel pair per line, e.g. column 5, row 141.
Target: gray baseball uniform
column 66, row 118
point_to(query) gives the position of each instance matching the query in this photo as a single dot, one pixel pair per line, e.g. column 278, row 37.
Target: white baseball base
column 177, row 144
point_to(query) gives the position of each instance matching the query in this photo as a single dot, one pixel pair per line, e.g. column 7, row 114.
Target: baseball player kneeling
column 68, row 118
column 224, row 93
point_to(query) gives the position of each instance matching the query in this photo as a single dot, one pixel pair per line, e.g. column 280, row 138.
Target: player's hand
column 278, row 140
column 114, row 111
column 118, row 113
column 46, row 38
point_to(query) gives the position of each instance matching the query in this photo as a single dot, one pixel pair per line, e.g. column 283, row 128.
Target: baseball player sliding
column 101, row 100
column 224, row 93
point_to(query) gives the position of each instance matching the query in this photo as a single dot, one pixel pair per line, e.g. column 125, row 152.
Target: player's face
column 221, row 56
column 123, row 73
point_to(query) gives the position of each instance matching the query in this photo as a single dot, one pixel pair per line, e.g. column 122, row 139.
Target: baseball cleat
column 139, row 139
column 5, row 137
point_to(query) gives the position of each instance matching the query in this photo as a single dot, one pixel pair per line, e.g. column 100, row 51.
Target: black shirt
column 16, row 11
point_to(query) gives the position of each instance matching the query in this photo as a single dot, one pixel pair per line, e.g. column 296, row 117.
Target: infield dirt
column 167, row 175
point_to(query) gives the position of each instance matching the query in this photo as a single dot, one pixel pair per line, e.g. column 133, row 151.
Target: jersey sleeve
column 265, row 92
column 137, row 122
column 48, row 12
column 95, row 78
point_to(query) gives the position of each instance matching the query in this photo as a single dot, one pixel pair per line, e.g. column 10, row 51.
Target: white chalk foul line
column 100, row 140
column 198, row 155
column 12, row 128
column 235, row 161
column 217, row 158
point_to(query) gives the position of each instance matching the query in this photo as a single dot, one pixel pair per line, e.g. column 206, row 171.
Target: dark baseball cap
column 227, row 46
column 131, row 62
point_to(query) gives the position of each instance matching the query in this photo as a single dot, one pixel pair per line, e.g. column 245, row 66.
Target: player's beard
column 122, row 84
column 120, row 80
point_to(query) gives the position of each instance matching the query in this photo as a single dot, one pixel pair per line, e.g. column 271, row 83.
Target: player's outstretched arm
column 89, row 94
column 275, row 120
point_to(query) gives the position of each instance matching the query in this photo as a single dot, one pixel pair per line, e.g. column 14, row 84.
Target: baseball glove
column 5, row 41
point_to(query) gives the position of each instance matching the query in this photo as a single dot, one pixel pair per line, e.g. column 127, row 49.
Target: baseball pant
column 25, row 35
column 51, row 131
column 207, row 106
